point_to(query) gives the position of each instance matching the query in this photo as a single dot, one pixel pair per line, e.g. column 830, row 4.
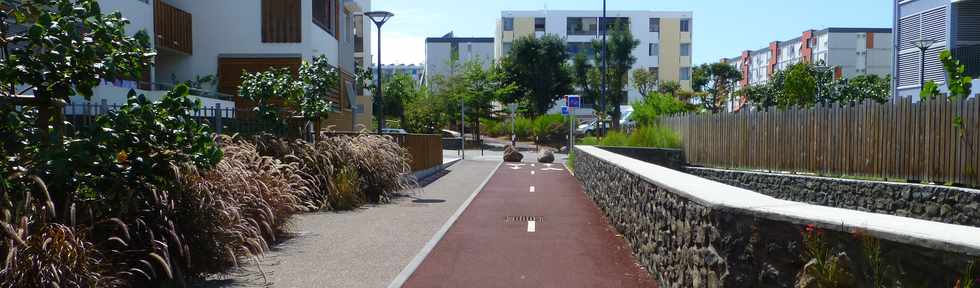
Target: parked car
column 393, row 131
column 449, row 134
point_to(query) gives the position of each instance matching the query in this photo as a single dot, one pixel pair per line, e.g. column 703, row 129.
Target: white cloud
column 398, row 48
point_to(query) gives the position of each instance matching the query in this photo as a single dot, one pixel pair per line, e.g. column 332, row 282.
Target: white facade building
column 665, row 38
column 952, row 25
column 848, row 51
column 439, row 51
column 222, row 38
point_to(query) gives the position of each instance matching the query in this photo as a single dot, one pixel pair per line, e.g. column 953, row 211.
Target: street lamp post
column 605, row 66
column 923, row 45
column 379, row 18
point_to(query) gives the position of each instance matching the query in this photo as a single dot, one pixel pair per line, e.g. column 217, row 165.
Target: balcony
column 173, row 28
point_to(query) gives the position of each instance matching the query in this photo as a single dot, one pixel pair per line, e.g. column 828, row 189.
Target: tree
column 425, row 113
column 645, row 81
column 619, row 51
column 716, row 82
column 317, row 79
column 583, row 78
column 669, row 87
column 68, row 48
column 263, row 88
column 398, row 90
column 655, row 105
column 538, row 66
column 305, row 97
column 800, row 88
column 482, row 88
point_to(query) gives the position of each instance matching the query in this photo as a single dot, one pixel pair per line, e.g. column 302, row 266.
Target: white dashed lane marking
column 532, row 172
column 532, row 189
column 530, row 226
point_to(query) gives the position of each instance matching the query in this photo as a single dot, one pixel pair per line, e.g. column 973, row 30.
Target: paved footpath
column 496, row 243
column 367, row 247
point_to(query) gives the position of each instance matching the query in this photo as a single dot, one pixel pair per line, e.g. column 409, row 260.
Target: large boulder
column 512, row 155
column 546, row 156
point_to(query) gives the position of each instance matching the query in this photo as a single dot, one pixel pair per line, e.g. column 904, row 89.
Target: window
column 685, row 25
column 618, row 22
column 583, row 26
column 654, row 24
column 685, row 73
column 686, row 49
column 508, row 24
column 349, row 29
column 324, row 12
column 539, row 24
column 505, row 48
column 654, row 49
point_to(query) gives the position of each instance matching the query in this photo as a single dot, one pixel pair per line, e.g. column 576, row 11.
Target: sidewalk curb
column 429, row 246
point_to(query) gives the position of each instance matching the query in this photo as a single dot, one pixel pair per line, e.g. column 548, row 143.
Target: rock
column 547, row 156
column 512, row 155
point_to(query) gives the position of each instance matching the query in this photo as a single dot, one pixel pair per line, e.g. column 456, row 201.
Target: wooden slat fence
column 425, row 149
column 902, row 140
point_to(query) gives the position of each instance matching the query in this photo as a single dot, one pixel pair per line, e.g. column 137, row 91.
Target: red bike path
column 491, row 243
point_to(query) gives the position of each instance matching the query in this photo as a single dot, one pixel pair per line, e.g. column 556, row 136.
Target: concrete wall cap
column 716, row 195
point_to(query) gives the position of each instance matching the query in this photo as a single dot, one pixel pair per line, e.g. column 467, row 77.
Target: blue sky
column 722, row 28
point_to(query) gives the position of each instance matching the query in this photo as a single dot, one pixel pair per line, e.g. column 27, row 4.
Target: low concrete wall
column 693, row 232
column 670, row 158
column 929, row 202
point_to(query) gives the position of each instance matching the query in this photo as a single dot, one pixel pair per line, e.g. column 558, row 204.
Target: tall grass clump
column 381, row 164
column 654, row 136
column 348, row 194
column 315, row 167
column 236, row 210
column 615, row 138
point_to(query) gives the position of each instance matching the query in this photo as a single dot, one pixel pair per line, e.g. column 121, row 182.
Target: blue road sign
column 564, row 110
column 573, row 101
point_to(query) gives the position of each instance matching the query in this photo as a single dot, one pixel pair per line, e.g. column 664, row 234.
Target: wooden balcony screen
column 173, row 28
column 282, row 21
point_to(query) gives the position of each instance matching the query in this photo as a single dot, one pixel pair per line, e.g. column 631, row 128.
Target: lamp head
column 379, row 17
column 923, row 44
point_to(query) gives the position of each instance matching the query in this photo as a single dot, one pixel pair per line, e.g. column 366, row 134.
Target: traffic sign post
column 571, row 102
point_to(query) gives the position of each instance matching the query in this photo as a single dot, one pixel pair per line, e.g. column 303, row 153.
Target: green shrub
column 591, row 140
column 551, row 129
column 523, row 127
column 615, row 138
column 489, row 127
column 655, row 105
column 654, row 136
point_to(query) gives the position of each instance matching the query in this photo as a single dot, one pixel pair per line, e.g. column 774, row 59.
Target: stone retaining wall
column 929, row 202
column 690, row 238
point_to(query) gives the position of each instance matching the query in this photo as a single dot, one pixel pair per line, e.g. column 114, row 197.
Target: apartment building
column 848, row 51
column 223, row 38
column 439, row 51
column 416, row 71
column 948, row 25
column 665, row 37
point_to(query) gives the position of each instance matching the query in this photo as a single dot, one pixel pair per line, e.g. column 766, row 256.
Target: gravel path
column 363, row 248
